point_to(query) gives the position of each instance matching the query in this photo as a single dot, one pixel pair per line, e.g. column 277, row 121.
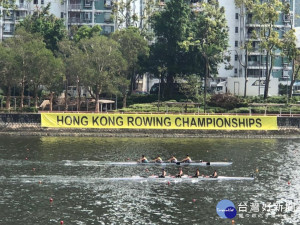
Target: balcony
column 75, row 7
column 79, row 20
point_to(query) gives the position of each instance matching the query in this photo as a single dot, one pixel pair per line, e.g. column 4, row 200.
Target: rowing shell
column 183, row 178
column 169, row 164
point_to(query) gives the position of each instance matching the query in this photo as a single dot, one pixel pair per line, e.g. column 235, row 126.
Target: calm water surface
column 69, row 170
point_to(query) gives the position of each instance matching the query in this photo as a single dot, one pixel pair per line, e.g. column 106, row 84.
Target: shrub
column 225, row 101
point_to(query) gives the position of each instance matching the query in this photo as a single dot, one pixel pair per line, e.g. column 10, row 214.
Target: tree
column 51, row 28
column 245, row 7
column 87, row 32
column 8, row 71
column 171, row 26
column 101, row 62
column 292, row 53
column 52, row 77
column 133, row 46
column 267, row 14
column 208, row 39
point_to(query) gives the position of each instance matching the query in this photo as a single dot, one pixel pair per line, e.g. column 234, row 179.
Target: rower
column 172, row 159
column 187, row 159
column 143, row 159
column 197, row 174
column 158, row 159
column 163, row 174
column 214, row 175
column 180, row 173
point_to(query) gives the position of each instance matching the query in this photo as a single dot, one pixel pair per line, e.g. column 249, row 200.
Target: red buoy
column 51, row 199
column 169, row 183
column 289, row 182
column 26, row 158
column 194, row 200
column 61, row 222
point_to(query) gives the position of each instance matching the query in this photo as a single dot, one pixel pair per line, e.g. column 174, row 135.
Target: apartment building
column 74, row 13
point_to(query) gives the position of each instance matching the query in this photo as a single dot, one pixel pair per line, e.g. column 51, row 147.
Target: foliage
column 266, row 14
column 132, row 46
column 225, row 101
column 87, row 32
column 101, row 64
column 171, row 26
column 51, row 28
column 292, row 53
column 191, row 88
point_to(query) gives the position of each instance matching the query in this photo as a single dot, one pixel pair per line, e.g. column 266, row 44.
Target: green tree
column 51, row 28
column 170, row 26
column 133, row 46
column 245, row 7
column 8, row 71
column 266, row 14
column 208, row 39
column 102, row 63
column 87, row 32
column 52, row 77
column 292, row 53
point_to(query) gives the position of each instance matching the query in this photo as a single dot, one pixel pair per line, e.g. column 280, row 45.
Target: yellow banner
column 158, row 121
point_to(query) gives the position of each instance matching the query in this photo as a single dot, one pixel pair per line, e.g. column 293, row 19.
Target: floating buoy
column 61, row 222
column 33, row 169
column 40, row 182
column 194, row 200
column 256, row 170
column 147, row 170
column 26, row 158
column 289, row 182
column 27, row 149
column 51, row 200
column 232, row 221
column 169, row 183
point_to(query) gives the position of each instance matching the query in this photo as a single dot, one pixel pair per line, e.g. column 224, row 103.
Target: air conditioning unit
column 285, row 74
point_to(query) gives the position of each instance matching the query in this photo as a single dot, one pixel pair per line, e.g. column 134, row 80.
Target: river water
column 46, row 180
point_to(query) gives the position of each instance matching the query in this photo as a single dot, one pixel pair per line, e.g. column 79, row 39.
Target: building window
column 235, row 70
column 236, row 16
column 35, row 2
column 236, row 30
column 236, row 44
column 42, row 2
column 236, row 58
column 62, row 15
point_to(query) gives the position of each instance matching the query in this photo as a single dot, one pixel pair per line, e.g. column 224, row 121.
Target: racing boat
column 194, row 163
column 174, row 179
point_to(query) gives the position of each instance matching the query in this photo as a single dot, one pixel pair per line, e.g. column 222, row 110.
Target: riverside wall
column 30, row 124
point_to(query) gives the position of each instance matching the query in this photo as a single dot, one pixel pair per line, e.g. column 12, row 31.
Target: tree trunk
column 66, row 95
column 246, row 73
column 51, row 101
column 205, row 82
column 78, row 96
column 266, row 91
column 293, row 80
column 8, row 97
column 22, row 94
column 35, row 96
column 97, row 103
column 125, row 101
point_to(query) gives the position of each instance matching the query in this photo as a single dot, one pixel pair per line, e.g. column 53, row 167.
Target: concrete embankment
column 30, row 124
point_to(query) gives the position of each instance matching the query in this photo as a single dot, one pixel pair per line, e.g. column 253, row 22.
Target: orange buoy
column 232, row 221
